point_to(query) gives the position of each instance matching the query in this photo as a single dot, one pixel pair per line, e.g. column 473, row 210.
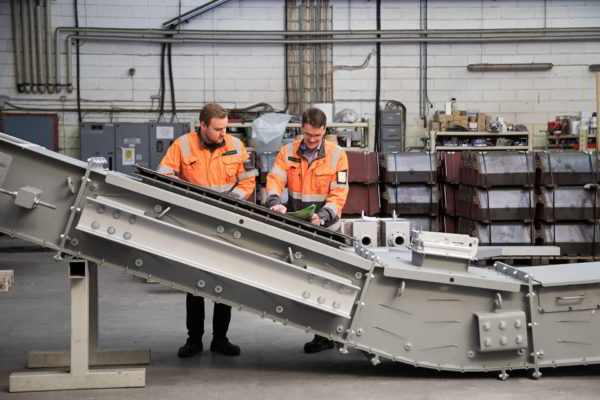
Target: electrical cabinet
column 132, row 146
column 98, row 140
column 125, row 144
column 40, row 129
column 162, row 136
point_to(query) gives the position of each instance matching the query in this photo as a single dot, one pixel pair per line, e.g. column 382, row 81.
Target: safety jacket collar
column 210, row 146
column 303, row 150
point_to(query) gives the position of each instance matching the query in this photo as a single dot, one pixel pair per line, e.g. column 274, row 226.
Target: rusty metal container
column 361, row 198
column 400, row 168
column 363, row 167
column 410, row 199
column 449, row 198
column 574, row 239
column 422, row 222
column 490, row 169
column 449, row 167
column 567, row 203
column 498, row 234
column 499, row 204
column 566, row 169
column 449, row 224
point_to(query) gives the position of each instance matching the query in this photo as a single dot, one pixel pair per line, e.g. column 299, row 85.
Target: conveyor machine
column 425, row 306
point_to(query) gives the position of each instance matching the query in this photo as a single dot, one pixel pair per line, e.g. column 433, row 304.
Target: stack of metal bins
column 448, row 167
column 495, row 201
column 410, row 188
column 567, row 202
column 363, row 178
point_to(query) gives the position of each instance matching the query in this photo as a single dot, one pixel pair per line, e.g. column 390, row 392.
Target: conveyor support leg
column 79, row 375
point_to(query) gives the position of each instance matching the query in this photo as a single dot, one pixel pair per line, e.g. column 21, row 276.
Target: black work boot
column 319, row 343
column 190, row 348
column 222, row 345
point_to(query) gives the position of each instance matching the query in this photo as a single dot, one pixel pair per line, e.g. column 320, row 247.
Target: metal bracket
column 513, row 272
column 516, row 273
column 93, row 163
column 359, row 305
column 28, row 197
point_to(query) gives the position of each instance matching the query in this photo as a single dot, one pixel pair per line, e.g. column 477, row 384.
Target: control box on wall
column 125, row 144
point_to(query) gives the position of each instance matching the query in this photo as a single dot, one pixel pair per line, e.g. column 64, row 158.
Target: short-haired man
column 213, row 159
column 315, row 171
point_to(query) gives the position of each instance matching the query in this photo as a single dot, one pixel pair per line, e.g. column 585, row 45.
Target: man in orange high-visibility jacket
column 215, row 160
column 315, row 172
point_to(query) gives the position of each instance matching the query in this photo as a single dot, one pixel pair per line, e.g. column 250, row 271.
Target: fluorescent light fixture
column 509, row 67
column 595, row 67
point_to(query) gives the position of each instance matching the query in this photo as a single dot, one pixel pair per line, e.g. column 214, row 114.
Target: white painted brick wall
column 240, row 75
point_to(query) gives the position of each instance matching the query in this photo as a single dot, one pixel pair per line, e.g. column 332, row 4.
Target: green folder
column 304, row 214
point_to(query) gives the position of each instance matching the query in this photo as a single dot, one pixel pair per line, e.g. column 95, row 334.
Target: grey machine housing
column 426, row 305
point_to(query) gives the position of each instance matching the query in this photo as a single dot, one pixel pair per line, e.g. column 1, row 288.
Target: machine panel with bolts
column 428, row 306
column 501, row 331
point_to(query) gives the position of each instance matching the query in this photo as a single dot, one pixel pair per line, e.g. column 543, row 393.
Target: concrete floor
column 34, row 315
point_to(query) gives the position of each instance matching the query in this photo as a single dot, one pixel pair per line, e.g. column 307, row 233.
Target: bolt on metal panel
column 502, row 331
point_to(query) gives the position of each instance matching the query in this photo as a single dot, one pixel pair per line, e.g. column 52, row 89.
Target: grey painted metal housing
column 440, row 313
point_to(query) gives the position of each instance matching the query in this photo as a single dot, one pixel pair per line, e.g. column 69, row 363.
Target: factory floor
column 34, row 315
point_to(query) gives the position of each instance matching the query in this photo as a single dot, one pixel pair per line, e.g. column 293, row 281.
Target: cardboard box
column 482, row 122
column 444, row 118
column 435, row 126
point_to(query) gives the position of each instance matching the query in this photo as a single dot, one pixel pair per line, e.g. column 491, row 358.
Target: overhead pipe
column 423, row 65
column 16, row 24
column 48, row 22
column 161, row 32
column 489, row 39
column 39, row 29
column 103, row 110
column 26, row 50
column 32, row 46
column 57, row 36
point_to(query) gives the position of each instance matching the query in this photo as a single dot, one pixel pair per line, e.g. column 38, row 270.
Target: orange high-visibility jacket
column 221, row 170
column 324, row 182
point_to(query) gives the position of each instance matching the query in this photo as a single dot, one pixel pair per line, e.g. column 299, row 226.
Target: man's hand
column 315, row 219
column 279, row 208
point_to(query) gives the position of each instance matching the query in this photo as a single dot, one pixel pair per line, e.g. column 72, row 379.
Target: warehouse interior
column 472, row 119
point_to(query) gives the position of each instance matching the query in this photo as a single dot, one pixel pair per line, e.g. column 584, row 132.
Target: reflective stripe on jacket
column 221, row 170
column 324, row 182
